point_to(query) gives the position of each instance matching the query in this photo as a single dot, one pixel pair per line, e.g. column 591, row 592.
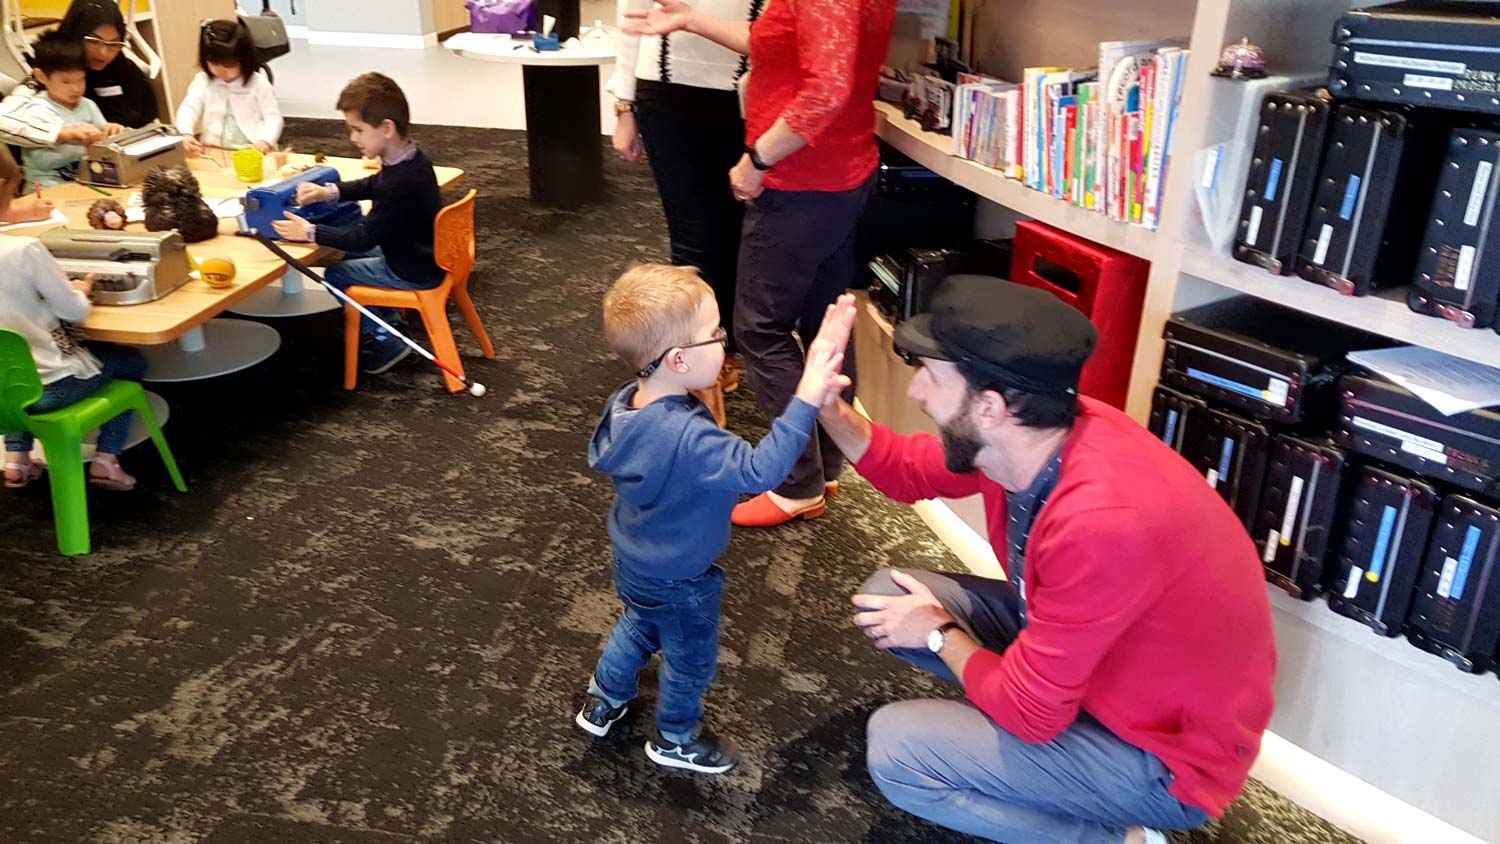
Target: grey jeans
column 946, row 761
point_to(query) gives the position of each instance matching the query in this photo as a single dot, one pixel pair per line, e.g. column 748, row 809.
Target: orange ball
column 217, row 272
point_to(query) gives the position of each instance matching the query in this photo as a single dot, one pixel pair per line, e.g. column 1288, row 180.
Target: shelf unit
column 1378, row 709
column 932, row 151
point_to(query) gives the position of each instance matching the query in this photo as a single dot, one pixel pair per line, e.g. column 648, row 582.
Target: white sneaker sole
column 672, row 762
column 594, row 729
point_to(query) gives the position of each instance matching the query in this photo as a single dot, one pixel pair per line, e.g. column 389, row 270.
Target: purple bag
column 507, row 16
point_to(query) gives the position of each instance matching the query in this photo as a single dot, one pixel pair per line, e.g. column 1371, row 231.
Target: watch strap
column 755, row 159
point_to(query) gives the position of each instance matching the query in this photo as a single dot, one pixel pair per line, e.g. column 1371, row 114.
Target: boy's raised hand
column 822, row 379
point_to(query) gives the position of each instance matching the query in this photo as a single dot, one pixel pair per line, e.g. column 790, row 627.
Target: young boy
column 678, row 476
column 60, row 67
column 392, row 245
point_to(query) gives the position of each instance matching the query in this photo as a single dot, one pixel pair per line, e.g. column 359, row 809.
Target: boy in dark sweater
column 678, row 475
column 392, row 245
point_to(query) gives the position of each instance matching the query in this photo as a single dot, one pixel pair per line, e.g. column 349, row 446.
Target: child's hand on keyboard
column 83, row 285
column 309, row 193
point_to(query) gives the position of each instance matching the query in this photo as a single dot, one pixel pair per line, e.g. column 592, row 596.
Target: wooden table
column 183, row 341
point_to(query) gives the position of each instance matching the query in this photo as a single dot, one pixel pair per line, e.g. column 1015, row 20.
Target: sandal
column 22, row 475
column 116, row 479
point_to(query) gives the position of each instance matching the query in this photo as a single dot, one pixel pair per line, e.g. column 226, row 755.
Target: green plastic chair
column 62, row 432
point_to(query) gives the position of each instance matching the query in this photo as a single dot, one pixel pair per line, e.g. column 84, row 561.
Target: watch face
column 935, row 641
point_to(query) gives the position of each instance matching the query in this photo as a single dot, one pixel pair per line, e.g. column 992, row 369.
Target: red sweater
column 1146, row 604
column 817, row 63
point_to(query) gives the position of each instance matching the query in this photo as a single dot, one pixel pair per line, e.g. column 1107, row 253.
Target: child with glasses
column 677, row 476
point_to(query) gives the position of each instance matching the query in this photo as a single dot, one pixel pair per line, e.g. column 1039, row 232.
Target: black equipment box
column 1458, row 266
column 1170, row 412
column 1298, row 513
column 1384, row 536
column 904, row 281
column 1456, row 612
column 1360, row 233
column 1383, row 420
column 1231, row 452
column 1279, row 187
column 1427, row 53
column 1272, row 362
column 911, row 207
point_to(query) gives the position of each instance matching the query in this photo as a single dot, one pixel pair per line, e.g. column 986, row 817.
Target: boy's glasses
column 720, row 336
column 100, row 42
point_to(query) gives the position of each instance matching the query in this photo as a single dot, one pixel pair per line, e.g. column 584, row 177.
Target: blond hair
column 651, row 308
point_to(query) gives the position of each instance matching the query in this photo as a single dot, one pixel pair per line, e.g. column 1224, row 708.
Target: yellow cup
column 249, row 164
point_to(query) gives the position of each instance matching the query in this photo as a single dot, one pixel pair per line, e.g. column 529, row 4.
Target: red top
column 817, row 63
column 1146, row 604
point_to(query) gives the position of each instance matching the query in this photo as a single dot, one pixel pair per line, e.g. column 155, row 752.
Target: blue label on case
column 1232, row 386
column 1382, row 542
column 1168, row 436
column 1351, row 193
column 1465, row 561
column 1273, row 181
column 1224, row 454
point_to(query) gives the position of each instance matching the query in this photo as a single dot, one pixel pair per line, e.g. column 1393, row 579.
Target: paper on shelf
column 57, row 217
column 1448, row 383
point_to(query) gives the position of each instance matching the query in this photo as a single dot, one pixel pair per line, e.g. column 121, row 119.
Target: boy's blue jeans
column 679, row 618
column 120, row 363
column 369, row 269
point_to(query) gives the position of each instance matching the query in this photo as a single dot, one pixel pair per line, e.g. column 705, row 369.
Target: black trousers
column 693, row 137
column 796, row 256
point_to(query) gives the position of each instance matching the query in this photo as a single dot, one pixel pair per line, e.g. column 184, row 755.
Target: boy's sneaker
column 597, row 716
column 382, row 352
column 704, row 754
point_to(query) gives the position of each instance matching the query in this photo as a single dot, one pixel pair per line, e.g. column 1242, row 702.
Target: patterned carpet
column 372, row 618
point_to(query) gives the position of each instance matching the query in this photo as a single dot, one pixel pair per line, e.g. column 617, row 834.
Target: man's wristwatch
column 755, row 159
column 935, row 640
column 623, row 107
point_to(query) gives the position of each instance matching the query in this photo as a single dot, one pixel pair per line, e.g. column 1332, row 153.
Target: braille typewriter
column 129, row 267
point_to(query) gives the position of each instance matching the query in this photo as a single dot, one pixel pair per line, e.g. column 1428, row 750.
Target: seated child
column 392, row 245
column 35, row 296
column 231, row 103
column 677, row 476
column 59, row 66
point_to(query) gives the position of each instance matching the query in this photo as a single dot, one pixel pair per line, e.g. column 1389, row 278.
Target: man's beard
column 961, row 443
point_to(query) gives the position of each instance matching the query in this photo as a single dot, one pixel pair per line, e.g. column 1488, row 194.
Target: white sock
column 1154, row 836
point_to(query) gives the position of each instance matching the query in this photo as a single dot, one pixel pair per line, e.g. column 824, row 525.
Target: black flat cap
column 1002, row 333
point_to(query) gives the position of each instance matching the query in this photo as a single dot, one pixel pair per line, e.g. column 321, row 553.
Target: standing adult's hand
column 628, row 138
column 665, row 17
column 746, row 181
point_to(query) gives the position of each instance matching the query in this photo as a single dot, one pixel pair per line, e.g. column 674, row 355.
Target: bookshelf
column 931, row 151
column 1377, row 709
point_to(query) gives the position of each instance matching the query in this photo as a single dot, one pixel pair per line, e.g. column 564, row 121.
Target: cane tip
column 477, row 389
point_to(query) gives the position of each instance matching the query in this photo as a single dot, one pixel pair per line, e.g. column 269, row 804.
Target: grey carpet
column 372, row 618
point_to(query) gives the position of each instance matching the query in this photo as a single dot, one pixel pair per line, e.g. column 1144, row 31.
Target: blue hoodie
column 678, row 476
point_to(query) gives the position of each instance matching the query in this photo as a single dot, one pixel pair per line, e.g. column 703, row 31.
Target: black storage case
column 1271, row 362
column 1456, row 612
column 1170, row 412
column 904, row 281
column 1427, row 53
column 1279, row 187
column 1385, row 532
column 1298, row 513
column 1383, row 420
column 1231, row 453
column 1458, row 266
column 1361, row 234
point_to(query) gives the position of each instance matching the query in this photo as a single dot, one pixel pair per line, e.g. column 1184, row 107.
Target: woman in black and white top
column 676, row 98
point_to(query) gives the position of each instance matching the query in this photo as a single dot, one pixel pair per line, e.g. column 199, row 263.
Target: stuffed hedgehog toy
column 107, row 214
column 174, row 201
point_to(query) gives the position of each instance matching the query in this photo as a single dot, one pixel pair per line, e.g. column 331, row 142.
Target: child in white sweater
column 36, row 298
column 231, row 103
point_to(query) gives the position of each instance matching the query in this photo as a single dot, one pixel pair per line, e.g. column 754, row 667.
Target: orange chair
column 453, row 242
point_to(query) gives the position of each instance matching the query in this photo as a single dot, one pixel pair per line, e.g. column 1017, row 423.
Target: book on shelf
column 1095, row 138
